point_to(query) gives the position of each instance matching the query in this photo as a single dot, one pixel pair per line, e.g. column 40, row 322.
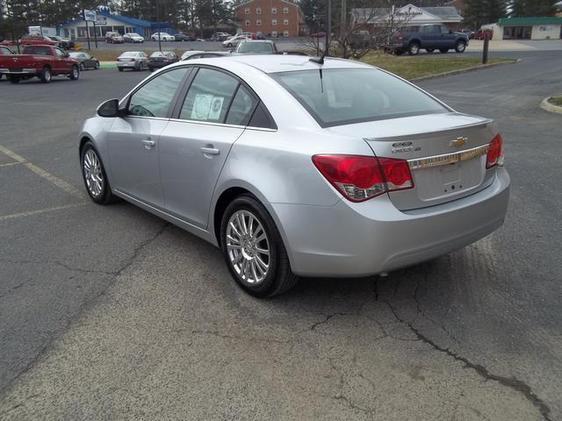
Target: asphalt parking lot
column 110, row 313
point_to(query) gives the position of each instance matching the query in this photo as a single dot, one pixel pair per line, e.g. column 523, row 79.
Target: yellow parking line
column 39, row 211
column 9, row 164
column 60, row 183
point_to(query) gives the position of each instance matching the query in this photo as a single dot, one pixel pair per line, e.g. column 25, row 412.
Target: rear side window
column 345, row 96
column 209, row 96
column 154, row 98
column 242, row 107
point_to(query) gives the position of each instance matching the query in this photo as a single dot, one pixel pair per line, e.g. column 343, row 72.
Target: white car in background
column 133, row 37
column 235, row 40
column 164, row 36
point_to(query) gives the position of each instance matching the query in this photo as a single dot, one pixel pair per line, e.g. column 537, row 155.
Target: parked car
column 412, row 39
column 65, row 43
column 133, row 37
column 180, row 36
column 42, row 61
column 134, row 60
column 31, row 40
column 160, row 59
column 4, row 51
column 193, row 54
column 164, row 36
column 256, row 47
column 114, row 38
column 469, row 33
column 86, row 60
column 481, row 34
column 293, row 171
column 233, row 41
column 220, row 36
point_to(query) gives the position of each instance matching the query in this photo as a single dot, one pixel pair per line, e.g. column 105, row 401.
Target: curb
column 551, row 108
column 466, row 70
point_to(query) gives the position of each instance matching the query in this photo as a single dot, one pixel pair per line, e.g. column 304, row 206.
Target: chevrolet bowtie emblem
column 459, row 141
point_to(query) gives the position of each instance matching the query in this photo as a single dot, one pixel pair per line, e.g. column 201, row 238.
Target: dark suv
column 411, row 39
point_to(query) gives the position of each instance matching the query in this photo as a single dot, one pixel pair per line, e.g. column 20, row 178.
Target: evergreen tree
column 533, row 8
column 481, row 12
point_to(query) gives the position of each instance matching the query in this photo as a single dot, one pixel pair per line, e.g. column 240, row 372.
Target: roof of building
column 288, row 2
column 447, row 12
column 127, row 20
column 530, row 21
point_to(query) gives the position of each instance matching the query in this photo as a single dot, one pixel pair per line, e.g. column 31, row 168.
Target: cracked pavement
column 111, row 313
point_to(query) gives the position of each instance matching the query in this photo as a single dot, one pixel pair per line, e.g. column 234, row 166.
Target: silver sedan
column 299, row 167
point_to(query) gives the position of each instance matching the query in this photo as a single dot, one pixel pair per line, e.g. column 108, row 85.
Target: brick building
column 276, row 18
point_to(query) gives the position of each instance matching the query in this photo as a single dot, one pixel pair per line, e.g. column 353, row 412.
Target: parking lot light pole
column 158, row 20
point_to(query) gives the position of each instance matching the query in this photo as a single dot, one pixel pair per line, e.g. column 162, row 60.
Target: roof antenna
column 319, row 60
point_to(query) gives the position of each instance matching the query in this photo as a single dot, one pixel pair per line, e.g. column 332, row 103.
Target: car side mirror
column 110, row 108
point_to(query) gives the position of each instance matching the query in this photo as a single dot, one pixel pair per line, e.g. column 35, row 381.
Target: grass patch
column 425, row 65
column 556, row 100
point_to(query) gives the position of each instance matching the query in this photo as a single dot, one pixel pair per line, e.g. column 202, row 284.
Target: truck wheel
column 45, row 75
column 460, row 46
column 75, row 73
column 414, row 48
column 13, row 79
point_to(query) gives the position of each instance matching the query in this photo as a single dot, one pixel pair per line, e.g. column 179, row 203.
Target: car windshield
column 345, row 96
column 75, row 55
column 157, row 54
column 129, row 55
column 255, row 47
column 134, row 34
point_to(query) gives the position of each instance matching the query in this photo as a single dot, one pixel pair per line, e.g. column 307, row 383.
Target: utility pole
column 343, row 19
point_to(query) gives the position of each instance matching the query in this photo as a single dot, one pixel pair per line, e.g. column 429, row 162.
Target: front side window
column 59, row 53
column 209, row 96
column 346, row 96
column 154, row 98
column 37, row 50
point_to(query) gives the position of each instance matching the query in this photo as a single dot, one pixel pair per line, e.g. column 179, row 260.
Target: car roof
column 273, row 63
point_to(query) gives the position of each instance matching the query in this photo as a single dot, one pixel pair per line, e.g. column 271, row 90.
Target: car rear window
column 255, row 47
column 346, row 96
column 37, row 50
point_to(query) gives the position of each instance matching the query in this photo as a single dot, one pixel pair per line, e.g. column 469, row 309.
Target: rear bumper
column 6, row 71
column 361, row 239
column 127, row 65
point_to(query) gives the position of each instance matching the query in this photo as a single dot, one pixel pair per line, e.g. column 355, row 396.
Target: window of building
column 247, row 11
column 285, row 10
column 248, row 22
column 274, row 10
column 274, row 22
column 258, row 22
column 286, row 34
column 286, row 22
column 258, row 10
column 274, row 34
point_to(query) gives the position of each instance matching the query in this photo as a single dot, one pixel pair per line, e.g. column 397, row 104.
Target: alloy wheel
column 93, row 173
column 248, row 247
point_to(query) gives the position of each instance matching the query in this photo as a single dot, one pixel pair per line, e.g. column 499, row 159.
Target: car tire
column 414, row 48
column 460, row 47
column 430, row 50
column 82, row 67
column 120, row 69
column 97, row 65
column 261, row 267
column 229, row 45
column 13, row 79
column 94, row 175
column 75, row 73
column 46, row 76
column 443, row 50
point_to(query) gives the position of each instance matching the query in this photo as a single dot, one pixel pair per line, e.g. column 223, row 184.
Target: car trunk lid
column 446, row 154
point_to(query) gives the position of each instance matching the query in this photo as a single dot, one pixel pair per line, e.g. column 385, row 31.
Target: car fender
column 95, row 129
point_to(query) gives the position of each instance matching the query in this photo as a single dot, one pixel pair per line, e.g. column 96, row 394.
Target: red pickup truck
column 42, row 61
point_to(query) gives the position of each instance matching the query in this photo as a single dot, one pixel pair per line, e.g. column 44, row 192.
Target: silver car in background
column 299, row 167
column 134, row 60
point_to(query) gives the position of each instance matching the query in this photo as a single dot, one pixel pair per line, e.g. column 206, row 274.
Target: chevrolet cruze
column 299, row 167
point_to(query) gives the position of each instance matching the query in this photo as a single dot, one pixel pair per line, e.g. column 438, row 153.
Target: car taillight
column 360, row 178
column 495, row 152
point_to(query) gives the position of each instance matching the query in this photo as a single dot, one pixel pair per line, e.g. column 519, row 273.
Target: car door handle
column 210, row 150
column 148, row 143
